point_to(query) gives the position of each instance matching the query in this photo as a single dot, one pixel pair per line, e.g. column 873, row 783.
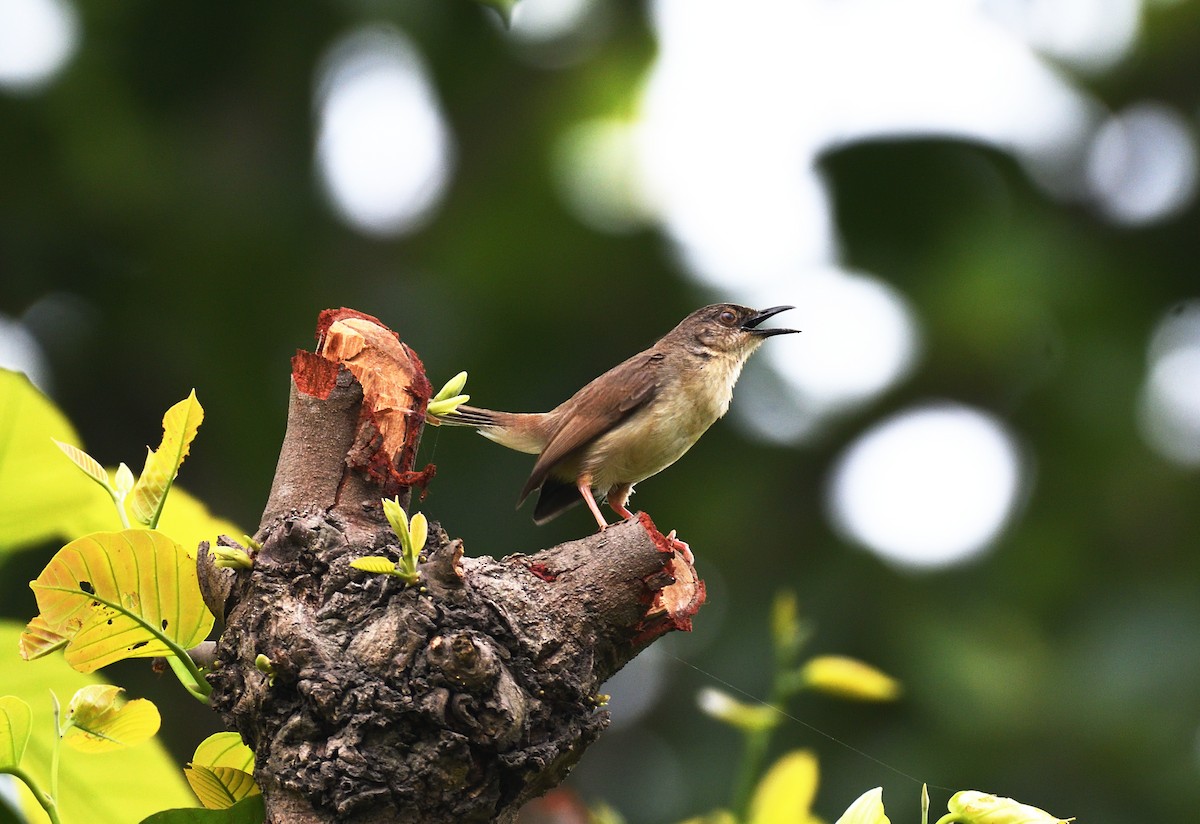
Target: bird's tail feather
column 470, row 416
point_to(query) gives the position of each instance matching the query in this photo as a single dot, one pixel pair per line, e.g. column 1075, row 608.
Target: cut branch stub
column 455, row 701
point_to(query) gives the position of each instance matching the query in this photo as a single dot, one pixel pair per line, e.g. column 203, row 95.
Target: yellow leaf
column 121, row 786
column 374, row 563
column 867, row 809
column 219, row 788
column 974, row 807
column 39, row 638
column 785, row 794
column 162, row 465
column 106, row 591
column 44, row 496
column 724, row 707
column 849, row 678
column 418, row 529
column 100, row 722
column 90, row 466
column 16, row 719
column 224, row 749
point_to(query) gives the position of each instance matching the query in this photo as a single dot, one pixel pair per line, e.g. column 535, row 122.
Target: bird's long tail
column 471, row 416
column 516, row 430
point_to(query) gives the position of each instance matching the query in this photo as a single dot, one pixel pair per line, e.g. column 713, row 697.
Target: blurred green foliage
column 163, row 190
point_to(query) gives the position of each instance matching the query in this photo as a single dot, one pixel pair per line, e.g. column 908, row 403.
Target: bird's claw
column 681, row 547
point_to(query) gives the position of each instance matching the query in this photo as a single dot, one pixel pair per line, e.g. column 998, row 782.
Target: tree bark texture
column 453, row 701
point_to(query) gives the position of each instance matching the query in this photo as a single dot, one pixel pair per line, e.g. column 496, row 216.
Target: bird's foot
column 681, row 547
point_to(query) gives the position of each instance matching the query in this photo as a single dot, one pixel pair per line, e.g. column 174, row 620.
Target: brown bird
column 633, row 421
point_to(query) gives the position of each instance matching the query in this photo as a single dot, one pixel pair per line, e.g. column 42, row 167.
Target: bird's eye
column 727, row 318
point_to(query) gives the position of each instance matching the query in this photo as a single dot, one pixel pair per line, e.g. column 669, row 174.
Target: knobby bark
column 455, row 701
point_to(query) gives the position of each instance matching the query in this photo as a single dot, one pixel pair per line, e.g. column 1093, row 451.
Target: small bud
column 418, row 529
column 788, row 632
column 453, row 387
column 444, row 407
column 724, row 707
column 124, row 479
column 228, row 557
column 974, row 807
column 263, row 664
column 397, row 517
column 849, row 678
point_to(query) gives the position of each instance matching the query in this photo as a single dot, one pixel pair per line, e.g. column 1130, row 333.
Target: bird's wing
column 639, row 379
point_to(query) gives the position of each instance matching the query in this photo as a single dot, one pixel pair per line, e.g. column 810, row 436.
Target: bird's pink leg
column 617, row 497
column 681, row 546
column 584, row 485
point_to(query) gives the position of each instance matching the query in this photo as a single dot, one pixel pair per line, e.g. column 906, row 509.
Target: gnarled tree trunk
column 455, row 701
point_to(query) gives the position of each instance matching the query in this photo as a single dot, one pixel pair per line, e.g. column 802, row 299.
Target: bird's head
column 729, row 329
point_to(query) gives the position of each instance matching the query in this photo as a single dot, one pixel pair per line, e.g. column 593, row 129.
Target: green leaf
column 376, row 564
column 398, row 518
column 418, row 529
column 247, row 811
column 128, row 594
column 219, row 788
column 162, row 465
column 785, row 794
column 224, row 749
column 867, row 809
column 131, row 784
column 99, row 722
column 716, row 817
column 16, row 718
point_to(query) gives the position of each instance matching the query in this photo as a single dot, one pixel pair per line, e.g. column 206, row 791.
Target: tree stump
column 455, row 701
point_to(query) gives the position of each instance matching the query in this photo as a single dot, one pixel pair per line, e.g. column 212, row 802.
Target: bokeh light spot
column 929, row 487
column 1170, row 401
column 37, row 38
column 860, row 337
column 383, row 147
column 1142, row 165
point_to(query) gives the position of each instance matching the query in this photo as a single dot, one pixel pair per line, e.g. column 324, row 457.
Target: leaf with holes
column 16, row 720
column 219, row 788
column 128, row 594
column 39, row 638
column 162, row 464
column 97, row 721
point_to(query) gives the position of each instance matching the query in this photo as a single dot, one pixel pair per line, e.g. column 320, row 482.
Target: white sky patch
column 37, row 38
column 383, row 150
column 929, row 487
column 1170, row 401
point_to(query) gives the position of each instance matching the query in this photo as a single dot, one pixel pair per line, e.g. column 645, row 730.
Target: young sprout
column 447, row 399
column 412, row 534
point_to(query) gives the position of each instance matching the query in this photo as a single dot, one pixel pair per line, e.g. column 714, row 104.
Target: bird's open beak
column 751, row 323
